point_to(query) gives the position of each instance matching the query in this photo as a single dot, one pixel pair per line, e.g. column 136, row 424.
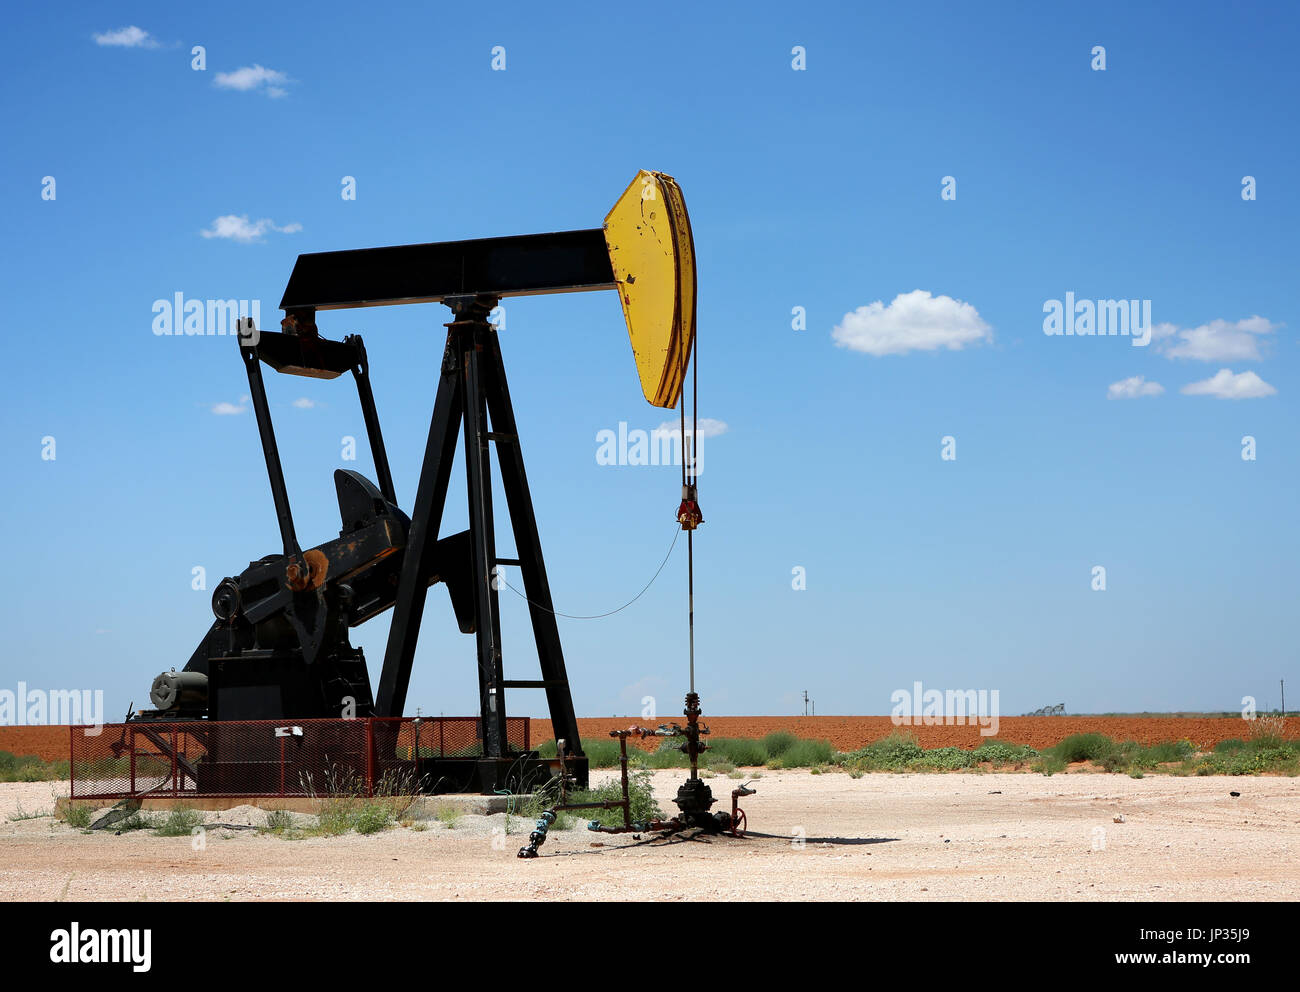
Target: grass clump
column 601, row 752
column 1167, row 752
column 547, row 749
column 803, row 753
column 1084, row 747
column 1268, row 729
column 372, row 817
column 337, row 816
column 777, row 743
column 20, row 814
column 77, row 815
column 901, row 752
column 1264, row 753
column 344, row 807
column 943, row 759
column 1264, row 750
column 1000, row 754
column 1049, row 764
column 739, row 752
column 278, row 822
column 779, row 749
column 333, row 818
column 30, row 768
column 179, row 822
column 449, row 815
column 640, row 790
column 891, row 753
column 1260, row 754
column 668, row 755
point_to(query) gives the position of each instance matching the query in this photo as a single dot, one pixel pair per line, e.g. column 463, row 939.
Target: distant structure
column 1057, row 710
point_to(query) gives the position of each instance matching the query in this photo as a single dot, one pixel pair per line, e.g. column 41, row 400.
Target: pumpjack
column 279, row 646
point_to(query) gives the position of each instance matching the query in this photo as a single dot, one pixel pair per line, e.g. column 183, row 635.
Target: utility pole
column 1282, row 683
column 805, row 702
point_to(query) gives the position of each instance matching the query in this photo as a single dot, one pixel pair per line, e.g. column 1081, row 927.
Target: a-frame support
column 472, row 389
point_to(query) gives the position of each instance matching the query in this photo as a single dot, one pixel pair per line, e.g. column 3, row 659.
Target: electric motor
column 173, row 690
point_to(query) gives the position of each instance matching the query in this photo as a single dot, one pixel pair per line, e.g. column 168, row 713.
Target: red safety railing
column 268, row 758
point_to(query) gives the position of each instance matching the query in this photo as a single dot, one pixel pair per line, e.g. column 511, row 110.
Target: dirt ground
column 880, row 837
column 52, row 743
column 846, row 733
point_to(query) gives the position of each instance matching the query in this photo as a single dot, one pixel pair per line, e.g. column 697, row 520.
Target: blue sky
column 817, row 188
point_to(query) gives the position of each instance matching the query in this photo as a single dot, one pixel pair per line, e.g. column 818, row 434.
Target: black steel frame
column 473, row 391
column 470, row 278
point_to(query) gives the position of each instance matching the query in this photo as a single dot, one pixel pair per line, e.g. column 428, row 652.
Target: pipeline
column 693, row 798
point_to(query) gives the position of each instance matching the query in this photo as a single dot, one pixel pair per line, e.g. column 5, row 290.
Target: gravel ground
column 912, row 837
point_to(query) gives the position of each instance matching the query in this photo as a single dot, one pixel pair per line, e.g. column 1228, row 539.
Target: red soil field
column 47, row 743
column 844, row 732
column 847, row 733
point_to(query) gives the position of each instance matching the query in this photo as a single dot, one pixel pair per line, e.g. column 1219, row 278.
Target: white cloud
column 237, row 227
column 708, row 427
column 224, row 409
column 303, row 403
column 128, row 37
column 251, row 78
column 650, row 685
column 914, row 321
column 1225, row 385
column 1132, row 388
column 1162, row 331
column 1217, row 341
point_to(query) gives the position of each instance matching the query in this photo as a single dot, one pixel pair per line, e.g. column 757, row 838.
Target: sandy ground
column 911, row 837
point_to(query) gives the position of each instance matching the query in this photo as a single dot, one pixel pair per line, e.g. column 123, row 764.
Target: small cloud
column 650, row 686
column 708, row 427
column 128, row 37
column 1225, row 385
column 303, row 403
column 252, row 78
column 224, row 409
column 1132, row 388
column 914, row 321
column 237, row 227
column 1217, row 341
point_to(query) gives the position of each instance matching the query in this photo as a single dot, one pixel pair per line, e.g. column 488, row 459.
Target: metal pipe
column 627, row 796
column 690, row 598
column 273, row 469
column 361, row 373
